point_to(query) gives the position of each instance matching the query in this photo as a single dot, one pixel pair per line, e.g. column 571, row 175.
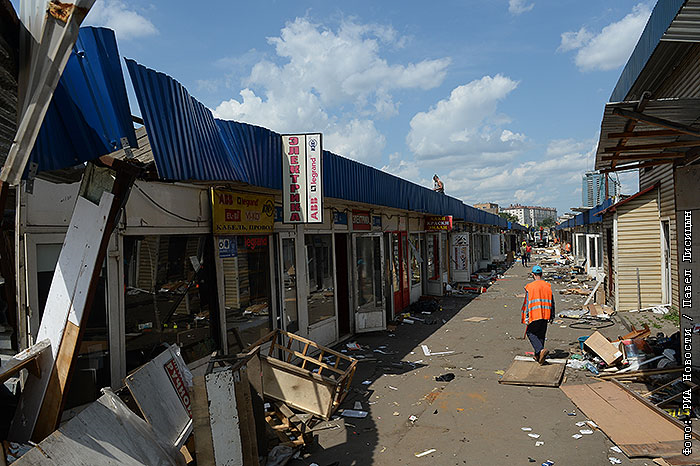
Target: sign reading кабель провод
column 302, row 178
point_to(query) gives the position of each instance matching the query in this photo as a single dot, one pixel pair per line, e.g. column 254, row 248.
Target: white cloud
column 126, row 22
column 335, row 81
column 612, row 46
column 517, row 7
column 405, row 169
column 465, row 126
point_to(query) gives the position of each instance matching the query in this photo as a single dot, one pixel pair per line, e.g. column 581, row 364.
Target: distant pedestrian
column 523, row 254
column 528, row 251
column 537, row 311
column 438, row 185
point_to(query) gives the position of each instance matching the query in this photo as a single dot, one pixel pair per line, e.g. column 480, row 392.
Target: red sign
column 252, row 242
column 179, row 384
column 438, row 223
column 360, row 220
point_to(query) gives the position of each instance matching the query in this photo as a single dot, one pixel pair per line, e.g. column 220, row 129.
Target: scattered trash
column 391, row 387
column 580, row 423
column 358, row 406
column 586, row 431
column 367, row 382
column 413, row 418
column 408, row 321
column 445, row 377
column 572, row 413
column 616, row 449
column 592, row 424
column 577, row 436
column 526, row 429
column 548, row 463
column 354, row 346
column 534, row 435
column 614, row 460
column 539, row 443
column 426, row 452
column 396, row 413
column 354, row 413
column 427, row 351
column 499, row 372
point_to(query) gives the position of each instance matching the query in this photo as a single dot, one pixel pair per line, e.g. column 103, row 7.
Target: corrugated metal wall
column 667, row 210
column 638, row 247
column 607, row 264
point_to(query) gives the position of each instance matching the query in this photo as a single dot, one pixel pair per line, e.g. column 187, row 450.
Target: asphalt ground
column 471, row 420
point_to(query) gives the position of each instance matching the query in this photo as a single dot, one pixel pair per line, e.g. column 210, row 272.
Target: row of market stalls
column 203, row 254
column 652, row 126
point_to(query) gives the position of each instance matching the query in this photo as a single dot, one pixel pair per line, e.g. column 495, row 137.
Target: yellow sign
column 241, row 213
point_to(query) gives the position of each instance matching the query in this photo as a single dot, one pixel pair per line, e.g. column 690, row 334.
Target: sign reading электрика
column 302, row 178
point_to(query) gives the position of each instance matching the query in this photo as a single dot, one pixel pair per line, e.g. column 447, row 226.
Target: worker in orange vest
column 537, row 311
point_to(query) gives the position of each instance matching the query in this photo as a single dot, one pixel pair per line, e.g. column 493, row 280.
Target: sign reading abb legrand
column 302, row 175
column 241, row 213
column 438, row 223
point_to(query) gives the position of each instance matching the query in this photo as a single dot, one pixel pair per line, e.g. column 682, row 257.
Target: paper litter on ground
column 426, row 452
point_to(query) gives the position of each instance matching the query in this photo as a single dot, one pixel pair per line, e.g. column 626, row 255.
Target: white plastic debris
column 580, row 423
column 586, row 431
column 539, row 443
column 616, row 449
column 577, row 436
column 614, row 460
column 426, row 452
column 354, row 413
column 526, row 429
column 534, row 435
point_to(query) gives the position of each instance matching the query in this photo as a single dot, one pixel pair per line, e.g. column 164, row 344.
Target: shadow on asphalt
column 362, row 436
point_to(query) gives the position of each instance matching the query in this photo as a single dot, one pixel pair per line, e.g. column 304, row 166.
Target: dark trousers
column 536, row 332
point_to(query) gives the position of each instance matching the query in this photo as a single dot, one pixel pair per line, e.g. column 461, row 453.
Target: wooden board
column 632, row 426
column 203, row 444
column 603, row 348
column 165, row 407
column 476, row 319
column 298, row 388
column 27, row 359
column 531, row 373
column 224, row 419
column 105, row 433
column 65, row 306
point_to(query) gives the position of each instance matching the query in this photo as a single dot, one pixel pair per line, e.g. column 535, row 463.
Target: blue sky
column 502, row 98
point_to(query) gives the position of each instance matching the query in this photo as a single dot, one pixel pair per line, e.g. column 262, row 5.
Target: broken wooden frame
column 306, row 375
column 103, row 192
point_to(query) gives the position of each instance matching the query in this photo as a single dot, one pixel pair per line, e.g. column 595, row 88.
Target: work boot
column 543, row 354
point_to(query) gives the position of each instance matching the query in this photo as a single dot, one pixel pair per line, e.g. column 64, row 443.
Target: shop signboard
column 377, row 221
column 234, row 212
column 361, row 220
column 460, row 252
column 438, row 223
column 227, row 246
column 302, row 178
column 340, row 218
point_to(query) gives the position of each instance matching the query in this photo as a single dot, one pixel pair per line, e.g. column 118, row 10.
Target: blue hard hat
column 537, row 269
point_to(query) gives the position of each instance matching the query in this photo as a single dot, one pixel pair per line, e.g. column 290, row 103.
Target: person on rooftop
column 438, row 185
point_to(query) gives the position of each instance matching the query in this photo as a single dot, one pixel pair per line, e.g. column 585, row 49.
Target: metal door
column 368, row 274
column 399, row 270
column 288, row 282
column 433, row 265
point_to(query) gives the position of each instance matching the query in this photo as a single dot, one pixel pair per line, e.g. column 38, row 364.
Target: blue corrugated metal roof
column 586, row 218
column 661, row 17
column 190, row 144
column 89, row 112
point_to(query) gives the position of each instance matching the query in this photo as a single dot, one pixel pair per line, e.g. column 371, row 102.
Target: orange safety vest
column 539, row 302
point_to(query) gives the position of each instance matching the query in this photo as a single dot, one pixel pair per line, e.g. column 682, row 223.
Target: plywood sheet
column 298, row 391
column 531, row 373
column 636, row 429
column 106, row 433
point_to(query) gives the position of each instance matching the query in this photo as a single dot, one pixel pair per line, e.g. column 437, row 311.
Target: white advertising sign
column 302, row 178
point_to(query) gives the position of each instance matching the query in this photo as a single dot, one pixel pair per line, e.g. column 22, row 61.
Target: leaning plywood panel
column 65, row 306
column 162, row 391
column 105, row 433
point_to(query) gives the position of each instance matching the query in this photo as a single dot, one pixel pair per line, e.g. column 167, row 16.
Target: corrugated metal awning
column 664, row 130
